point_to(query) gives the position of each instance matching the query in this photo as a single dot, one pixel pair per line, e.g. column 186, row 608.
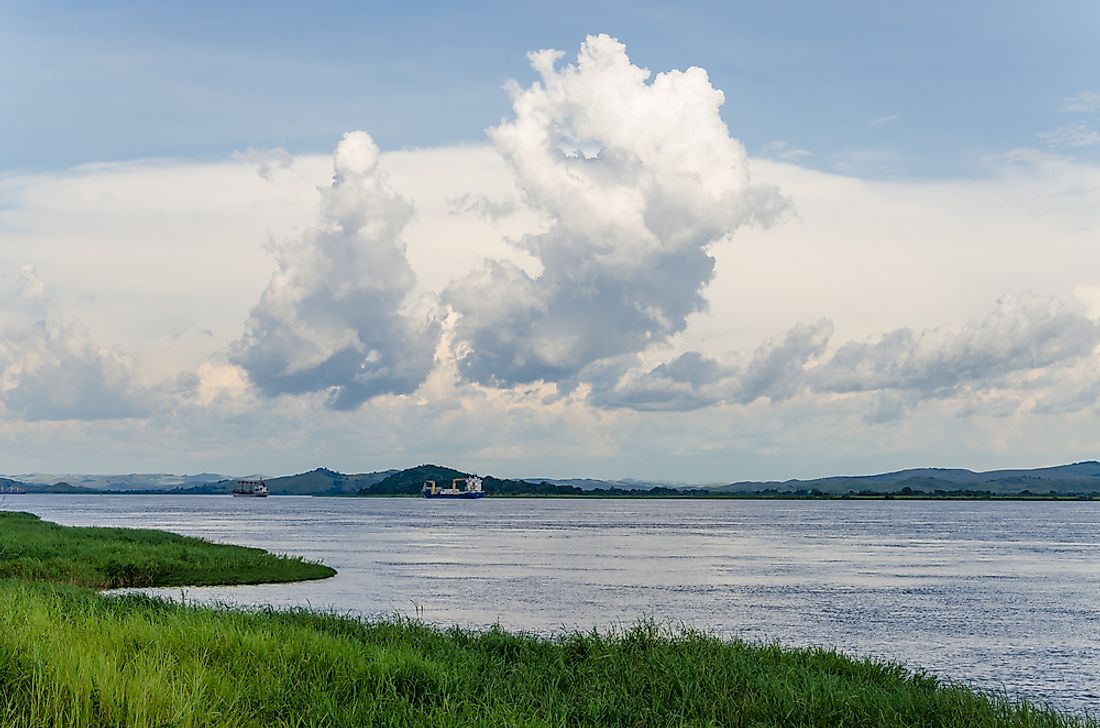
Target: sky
column 701, row 243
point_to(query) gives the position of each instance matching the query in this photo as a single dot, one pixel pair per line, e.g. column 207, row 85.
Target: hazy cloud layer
column 775, row 370
column 636, row 179
column 50, row 369
column 336, row 317
column 1025, row 334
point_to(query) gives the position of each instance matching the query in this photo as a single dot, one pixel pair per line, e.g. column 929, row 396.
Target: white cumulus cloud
column 337, row 316
column 637, row 178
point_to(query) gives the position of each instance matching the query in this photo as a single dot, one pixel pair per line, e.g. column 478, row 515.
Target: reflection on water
column 1002, row 595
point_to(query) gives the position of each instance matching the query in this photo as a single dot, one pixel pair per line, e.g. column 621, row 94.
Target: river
column 1002, row 596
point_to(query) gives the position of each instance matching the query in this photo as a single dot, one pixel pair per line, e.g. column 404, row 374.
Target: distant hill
column 146, row 482
column 62, row 487
column 1077, row 478
column 411, row 480
column 323, row 481
column 14, row 486
column 320, row 481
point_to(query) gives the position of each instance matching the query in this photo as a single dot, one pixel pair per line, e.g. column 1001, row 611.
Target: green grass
column 72, row 657
column 38, row 550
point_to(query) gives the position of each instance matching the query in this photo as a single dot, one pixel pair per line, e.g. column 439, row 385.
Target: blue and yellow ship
column 471, row 488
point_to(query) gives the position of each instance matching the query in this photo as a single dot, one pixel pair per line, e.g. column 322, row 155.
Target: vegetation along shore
column 70, row 656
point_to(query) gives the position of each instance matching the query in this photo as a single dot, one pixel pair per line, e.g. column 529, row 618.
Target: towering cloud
column 337, row 316
column 635, row 179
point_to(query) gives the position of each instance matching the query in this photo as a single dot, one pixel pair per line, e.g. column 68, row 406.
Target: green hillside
column 411, row 480
column 59, row 488
column 323, row 481
column 320, row 481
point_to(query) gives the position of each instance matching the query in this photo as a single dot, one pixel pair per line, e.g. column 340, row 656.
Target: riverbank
column 104, row 558
column 72, row 657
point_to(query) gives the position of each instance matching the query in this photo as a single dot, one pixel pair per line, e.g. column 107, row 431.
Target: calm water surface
column 1001, row 595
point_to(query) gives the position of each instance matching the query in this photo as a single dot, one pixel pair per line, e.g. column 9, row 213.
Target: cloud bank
column 51, row 369
column 338, row 315
column 1024, row 336
column 636, row 179
column 1023, row 333
column 775, row 371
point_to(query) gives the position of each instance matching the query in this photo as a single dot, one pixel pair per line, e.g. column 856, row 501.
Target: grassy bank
column 69, row 657
column 31, row 548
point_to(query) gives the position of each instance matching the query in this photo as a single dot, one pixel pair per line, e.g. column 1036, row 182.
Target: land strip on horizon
column 1063, row 481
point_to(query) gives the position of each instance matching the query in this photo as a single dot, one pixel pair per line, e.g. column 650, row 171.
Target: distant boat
column 250, row 489
column 12, row 490
column 471, row 489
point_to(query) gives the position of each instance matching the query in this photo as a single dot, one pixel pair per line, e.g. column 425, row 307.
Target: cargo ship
column 471, row 488
column 250, row 489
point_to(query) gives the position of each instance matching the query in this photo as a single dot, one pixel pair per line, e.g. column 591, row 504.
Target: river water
column 1004, row 596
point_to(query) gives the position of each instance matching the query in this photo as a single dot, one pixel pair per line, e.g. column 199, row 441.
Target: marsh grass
column 70, row 657
column 38, row 550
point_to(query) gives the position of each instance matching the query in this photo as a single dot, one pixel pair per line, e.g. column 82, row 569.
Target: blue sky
column 263, row 237
column 948, row 83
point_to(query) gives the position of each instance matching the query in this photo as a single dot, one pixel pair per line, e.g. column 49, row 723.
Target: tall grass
column 70, row 657
column 38, row 550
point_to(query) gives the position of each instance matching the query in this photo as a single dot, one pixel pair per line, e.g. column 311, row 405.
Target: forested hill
column 411, row 480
